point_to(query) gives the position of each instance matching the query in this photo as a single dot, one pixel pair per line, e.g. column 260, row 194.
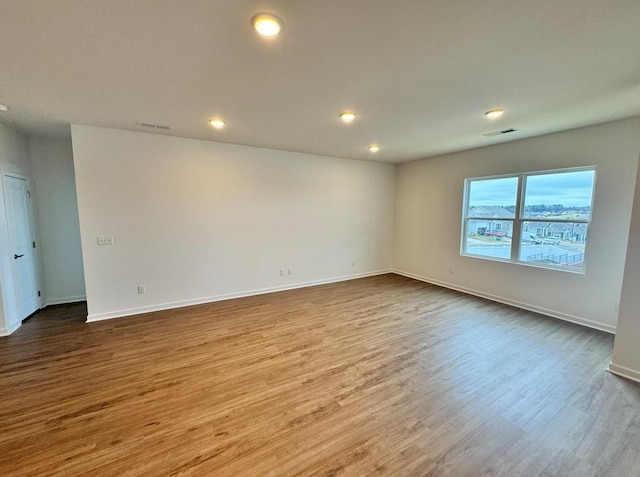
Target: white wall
column 14, row 157
column 57, row 211
column 196, row 221
column 428, row 222
column 626, row 351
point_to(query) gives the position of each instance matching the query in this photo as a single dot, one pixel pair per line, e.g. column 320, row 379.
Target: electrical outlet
column 289, row 271
column 451, row 271
column 141, row 290
column 353, row 263
column 105, row 239
column 282, row 272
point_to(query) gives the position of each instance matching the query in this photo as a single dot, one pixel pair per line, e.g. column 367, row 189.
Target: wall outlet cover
column 105, row 239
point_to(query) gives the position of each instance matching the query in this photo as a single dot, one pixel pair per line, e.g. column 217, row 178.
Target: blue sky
column 493, row 192
column 567, row 188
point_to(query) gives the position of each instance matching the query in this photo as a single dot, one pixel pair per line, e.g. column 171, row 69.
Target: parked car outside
column 551, row 240
column 530, row 237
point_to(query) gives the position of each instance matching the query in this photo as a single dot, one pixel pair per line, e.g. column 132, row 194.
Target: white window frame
column 517, row 221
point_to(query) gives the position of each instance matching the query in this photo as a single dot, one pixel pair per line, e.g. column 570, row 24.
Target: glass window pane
column 557, row 244
column 492, row 198
column 489, row 238
column 559, row 196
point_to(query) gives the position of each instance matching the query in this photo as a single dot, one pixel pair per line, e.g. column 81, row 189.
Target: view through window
column 539, row 218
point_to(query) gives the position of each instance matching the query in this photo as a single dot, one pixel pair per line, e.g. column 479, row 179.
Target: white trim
column 198, row 301
column 11, row 329
column 625, row 372
column 64, row 300
column 519, row 217
column 525, row 306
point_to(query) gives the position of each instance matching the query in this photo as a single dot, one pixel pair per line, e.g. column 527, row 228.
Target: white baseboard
column 10, row 329
column 625, row 372
column 518, row 304
column 92, row 317
column 64, row 300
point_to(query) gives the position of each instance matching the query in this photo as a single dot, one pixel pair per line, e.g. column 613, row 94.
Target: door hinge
column 29, row 193
column 34, row 244
column 39, row 294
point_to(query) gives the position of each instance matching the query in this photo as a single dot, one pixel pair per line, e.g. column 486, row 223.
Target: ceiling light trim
column 267, row 24
column 217, row 123
column 494, row 113
column 347, row 117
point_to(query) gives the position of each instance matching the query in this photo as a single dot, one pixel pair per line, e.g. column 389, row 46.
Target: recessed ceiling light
column 494, row 113
column 4, row 107
column 217, row 123
column 374, row 148
column 347, row 117
column 267, row 24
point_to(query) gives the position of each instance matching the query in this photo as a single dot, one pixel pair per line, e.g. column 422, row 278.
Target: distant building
column 570, row 231
column 489, row 220
column 496, row 221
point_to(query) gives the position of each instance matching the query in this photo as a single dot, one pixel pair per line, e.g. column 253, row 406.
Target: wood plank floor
column 379, row 376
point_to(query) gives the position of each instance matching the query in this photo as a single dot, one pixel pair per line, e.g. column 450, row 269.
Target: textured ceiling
column 419, row 73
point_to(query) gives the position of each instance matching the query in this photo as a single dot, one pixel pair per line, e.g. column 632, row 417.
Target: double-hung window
column 537, row 218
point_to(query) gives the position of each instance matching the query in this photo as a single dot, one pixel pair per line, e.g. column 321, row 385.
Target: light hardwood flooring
column 379, row 376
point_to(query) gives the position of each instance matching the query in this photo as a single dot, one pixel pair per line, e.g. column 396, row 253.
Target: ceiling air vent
column 153, row 125
column 497, row 133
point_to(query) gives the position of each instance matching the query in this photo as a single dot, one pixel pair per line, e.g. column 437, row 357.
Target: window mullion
column 517, row 221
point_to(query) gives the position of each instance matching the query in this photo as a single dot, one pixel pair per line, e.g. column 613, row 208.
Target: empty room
column 319, row 238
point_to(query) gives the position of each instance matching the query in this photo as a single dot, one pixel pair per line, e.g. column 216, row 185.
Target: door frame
column 12, row 321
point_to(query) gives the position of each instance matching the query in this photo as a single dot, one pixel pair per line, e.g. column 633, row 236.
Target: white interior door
column 22, row 240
